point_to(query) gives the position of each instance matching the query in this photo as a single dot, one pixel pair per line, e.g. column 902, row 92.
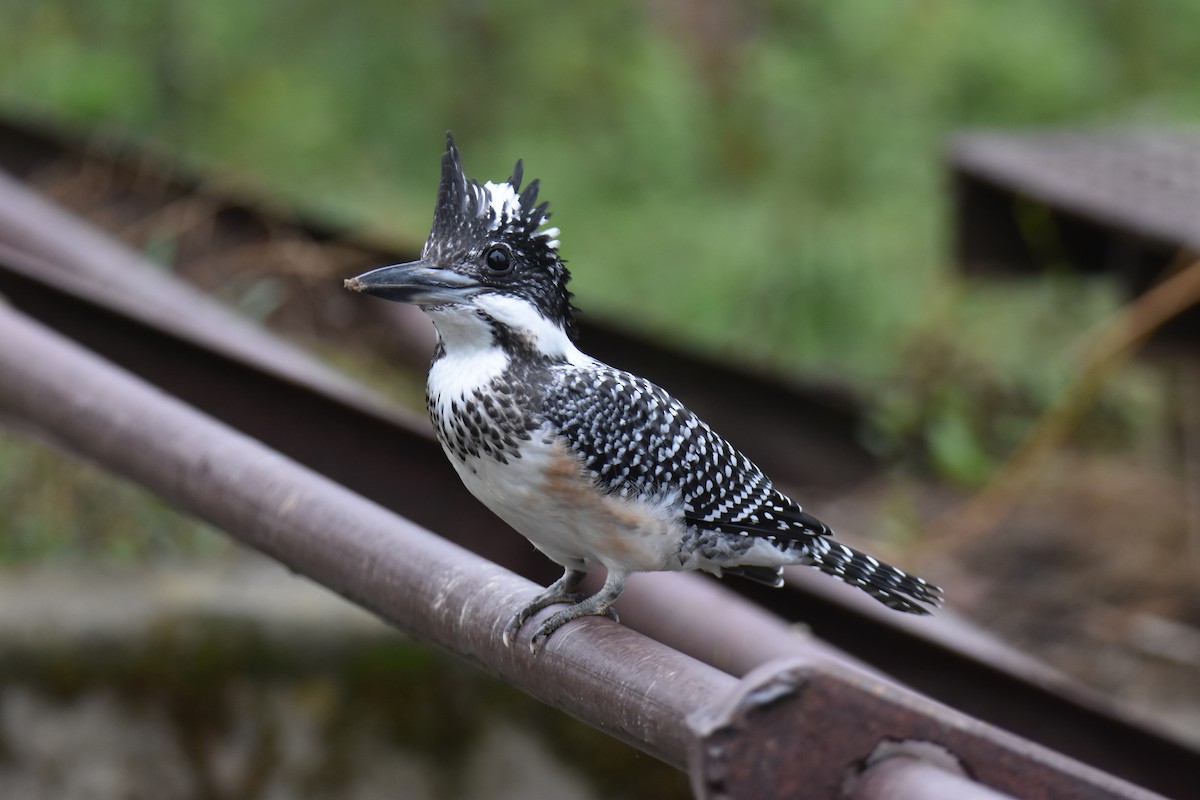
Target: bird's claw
column 510, row 632
column 542, row 635
column 521, row 617
column 599, row 604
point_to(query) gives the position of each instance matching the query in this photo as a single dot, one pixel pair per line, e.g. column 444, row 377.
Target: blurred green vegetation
column 759, row 180
column 55, row 510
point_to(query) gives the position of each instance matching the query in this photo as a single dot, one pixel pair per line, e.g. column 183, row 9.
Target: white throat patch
column 471, row 361
column 519, row 315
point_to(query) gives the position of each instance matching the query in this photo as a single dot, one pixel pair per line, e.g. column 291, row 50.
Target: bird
column 595, row 466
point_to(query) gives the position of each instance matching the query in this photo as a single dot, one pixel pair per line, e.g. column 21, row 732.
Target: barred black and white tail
column 893, row 587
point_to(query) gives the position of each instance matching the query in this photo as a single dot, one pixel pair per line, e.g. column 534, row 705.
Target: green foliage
column 767, row 185
column 969, row 382
column 55, row 508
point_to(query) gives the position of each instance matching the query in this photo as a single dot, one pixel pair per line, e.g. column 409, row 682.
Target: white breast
column 471, row 361
column 546, row 496
column 544, row 493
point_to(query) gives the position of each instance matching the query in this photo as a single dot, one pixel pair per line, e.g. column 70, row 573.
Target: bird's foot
column 537, row 604
column 599, row 604
column 582, row 609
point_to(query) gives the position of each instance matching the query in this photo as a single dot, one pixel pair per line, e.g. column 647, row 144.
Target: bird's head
column 487, row 258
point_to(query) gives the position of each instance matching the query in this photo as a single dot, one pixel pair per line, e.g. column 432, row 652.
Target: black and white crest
column 471, row 216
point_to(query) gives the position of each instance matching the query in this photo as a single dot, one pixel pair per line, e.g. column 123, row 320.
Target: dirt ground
column 1097, row 572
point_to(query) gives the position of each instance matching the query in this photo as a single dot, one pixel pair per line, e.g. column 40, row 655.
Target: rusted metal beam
column 978, row 675
column 786, row 727
column 73, row 248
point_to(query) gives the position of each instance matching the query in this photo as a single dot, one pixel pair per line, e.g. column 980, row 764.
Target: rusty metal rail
column 73, row 249
column 779, row 731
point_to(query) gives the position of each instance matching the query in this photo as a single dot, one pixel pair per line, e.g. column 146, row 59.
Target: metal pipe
column 605, row 674
column 403, row 470
column 909, row 778
column 715, row 624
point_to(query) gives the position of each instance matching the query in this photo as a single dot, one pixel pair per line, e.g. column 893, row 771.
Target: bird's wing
column 638, row 440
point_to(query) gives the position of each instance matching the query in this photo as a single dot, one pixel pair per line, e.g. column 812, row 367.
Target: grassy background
column 760, row 175
column 759, row 180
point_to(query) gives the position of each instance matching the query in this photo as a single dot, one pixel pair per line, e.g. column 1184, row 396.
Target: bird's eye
column 498, row 260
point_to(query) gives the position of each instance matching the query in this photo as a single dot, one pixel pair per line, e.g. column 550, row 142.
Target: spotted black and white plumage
column 595, row 466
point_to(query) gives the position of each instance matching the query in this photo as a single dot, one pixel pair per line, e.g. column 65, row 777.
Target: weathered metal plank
column 1142, row 182
column 1119, row 202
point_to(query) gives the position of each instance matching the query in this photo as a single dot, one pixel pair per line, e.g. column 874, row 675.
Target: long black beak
column 417, row 282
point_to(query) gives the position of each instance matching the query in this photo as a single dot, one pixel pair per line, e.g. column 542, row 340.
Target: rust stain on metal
column 799, row 728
